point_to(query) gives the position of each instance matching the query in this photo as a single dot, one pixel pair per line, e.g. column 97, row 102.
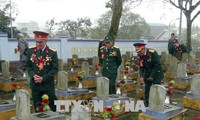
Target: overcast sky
column 43, row 10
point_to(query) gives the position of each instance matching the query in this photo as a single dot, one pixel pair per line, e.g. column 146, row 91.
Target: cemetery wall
column 66, row 47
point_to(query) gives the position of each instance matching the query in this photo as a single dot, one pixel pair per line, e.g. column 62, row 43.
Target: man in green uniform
column 111, row 56
column 171, row 47
column 179, row 50
column 150, row 68
column 42, row 65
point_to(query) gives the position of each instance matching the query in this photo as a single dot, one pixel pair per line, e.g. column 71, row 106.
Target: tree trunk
column 188, row 37
column 117, row 12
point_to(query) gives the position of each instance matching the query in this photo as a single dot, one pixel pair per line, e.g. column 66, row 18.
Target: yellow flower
column 45, row 97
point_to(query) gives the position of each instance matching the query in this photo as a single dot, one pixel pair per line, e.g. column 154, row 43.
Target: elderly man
column 42, row 65
column 150, row 68
column 111, row 60
column 22, row 47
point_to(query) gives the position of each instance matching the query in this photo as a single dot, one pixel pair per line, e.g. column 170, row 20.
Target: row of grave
column 62, row 79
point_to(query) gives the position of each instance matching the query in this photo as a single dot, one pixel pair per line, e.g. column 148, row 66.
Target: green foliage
column 5, row 18
column 103, row 25
column 4, row 22
column 132, row 26
column 76, row 29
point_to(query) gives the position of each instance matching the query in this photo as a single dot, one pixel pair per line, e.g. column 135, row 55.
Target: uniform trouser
column 112, row 80
column 147, row 90
column 37, row 97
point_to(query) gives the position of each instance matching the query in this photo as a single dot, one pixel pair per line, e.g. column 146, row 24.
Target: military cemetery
column 81, row 79
column 120, row 67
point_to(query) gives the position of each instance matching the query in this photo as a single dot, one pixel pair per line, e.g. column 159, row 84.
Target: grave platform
column 130, row 86
column 141, row 94
column 179, row 116
column 89, row 82
column 75, row 94
column 191, row 101
column 72, row 76
column 170, row 74
column 192, row 70
column 131, row 74
column 6, row 85
column 171, row 112
column 112, row 98
column 49, row 115
column 182, row 83
column 7, row 109
column 123, row 116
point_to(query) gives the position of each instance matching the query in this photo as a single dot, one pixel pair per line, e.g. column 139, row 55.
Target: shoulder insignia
column 32, row 47
column 102, row 47
column 52, row 49
column 152, row 50
column 115, row 47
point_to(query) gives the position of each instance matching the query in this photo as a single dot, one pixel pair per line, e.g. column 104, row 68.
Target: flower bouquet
column 73, row 63
column 15, row 86
column 126, row 72
column 119, row 85
column 80, row 78
column 44, row 105
column 108, row 113
column 97, row 67
column 169, row 91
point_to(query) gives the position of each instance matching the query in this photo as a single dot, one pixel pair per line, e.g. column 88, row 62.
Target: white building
column 28, row 27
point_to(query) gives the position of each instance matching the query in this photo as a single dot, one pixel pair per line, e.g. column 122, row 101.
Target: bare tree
column 117, row 8
column 188, row 7
column 50, row 24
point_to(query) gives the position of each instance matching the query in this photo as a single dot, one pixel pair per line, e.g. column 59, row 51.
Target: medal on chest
column 40, row 60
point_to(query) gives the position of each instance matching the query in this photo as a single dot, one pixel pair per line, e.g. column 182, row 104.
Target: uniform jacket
column 171, row 47
column 150, row 66
column 180, row 50
column 49, row 59
column 111, row 59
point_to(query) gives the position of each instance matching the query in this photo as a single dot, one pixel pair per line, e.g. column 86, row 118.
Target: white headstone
column 102, row 88
column 157, row 98
column 185, row 57
column 85, row 68
column 181, row 71
column 5, row 69
column 60, row 64
column 95, row 61
column 195, row 84
column 62, row 81
column 22, row 105
column 173, row 64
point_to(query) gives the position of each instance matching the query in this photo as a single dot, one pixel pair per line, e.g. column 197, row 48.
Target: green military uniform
column 171, row 47
column 179, row 51
column 111, row 61
column 48, row 57
column 150, row 67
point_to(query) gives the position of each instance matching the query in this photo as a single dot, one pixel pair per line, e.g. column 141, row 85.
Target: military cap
column 108, row 39
column 139, row 46
column 40, row 35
